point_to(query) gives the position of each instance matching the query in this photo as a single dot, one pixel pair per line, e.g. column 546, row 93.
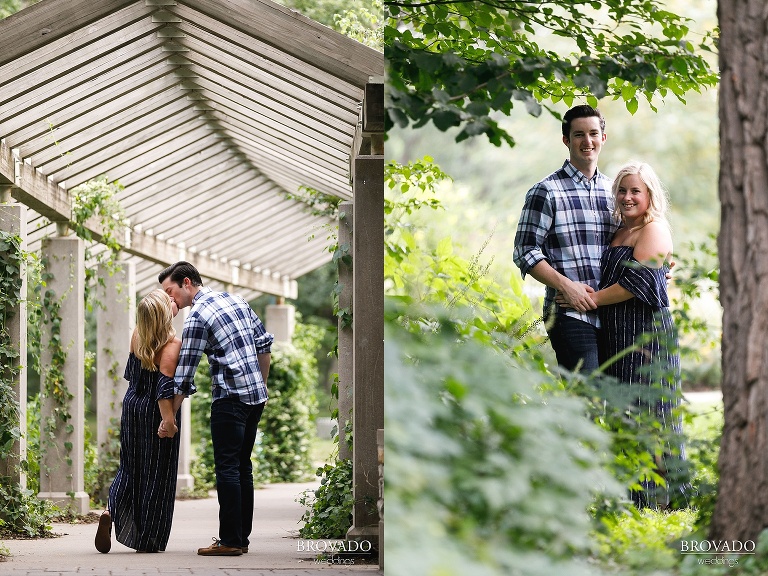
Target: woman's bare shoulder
column 654, row 244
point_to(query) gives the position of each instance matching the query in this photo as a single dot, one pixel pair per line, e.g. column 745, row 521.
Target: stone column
column 346, row 341
column 63, row 399
column 281, row 321
column 115, row 321
column 13, row 219
column 368, row 354
column 184, row 479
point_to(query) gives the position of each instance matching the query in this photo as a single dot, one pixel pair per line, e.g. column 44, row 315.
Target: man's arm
column 264, row 360
column 193, row 343
column 576, row 294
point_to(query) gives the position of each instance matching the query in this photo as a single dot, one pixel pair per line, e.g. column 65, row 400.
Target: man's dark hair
column 179, row 271
column 583, row 111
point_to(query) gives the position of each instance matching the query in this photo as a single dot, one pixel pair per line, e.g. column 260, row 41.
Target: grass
column 639, row 542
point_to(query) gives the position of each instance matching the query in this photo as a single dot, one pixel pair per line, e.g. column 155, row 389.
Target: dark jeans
column 574, row 341
column 233, row 434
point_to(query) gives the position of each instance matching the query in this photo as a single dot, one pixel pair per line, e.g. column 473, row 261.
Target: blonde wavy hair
column 657, row 194
column 154, row 327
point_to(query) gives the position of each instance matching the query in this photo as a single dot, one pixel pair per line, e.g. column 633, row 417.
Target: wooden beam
column 297, row 35
column 49, row 20
column 50, row 200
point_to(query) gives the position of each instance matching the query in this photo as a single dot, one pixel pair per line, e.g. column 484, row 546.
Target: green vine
column 12, row 263
column 328, row 511
column 98, row 198
column 53, row 381
column 20, row 510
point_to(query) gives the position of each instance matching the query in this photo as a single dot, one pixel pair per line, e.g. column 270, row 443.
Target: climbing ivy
column 21, row 511
column 11, row 263
column 98, row 198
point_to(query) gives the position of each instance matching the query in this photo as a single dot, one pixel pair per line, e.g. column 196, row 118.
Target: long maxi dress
column 655, row 365
column 142, row 496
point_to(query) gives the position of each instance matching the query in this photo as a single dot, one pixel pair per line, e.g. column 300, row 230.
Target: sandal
column 103, row 538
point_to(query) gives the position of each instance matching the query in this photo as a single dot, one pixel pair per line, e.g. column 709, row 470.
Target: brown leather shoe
column 245, row 549
column 217, row 549
column 103, row 538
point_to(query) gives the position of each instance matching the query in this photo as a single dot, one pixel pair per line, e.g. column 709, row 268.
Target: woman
column 142, row 495
column 633, row 308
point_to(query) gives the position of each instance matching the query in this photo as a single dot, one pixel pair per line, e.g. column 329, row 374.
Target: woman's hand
column 167, row 429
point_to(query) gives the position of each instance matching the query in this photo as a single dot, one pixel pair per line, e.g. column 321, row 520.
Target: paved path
column 706, row 397
column 273, row 549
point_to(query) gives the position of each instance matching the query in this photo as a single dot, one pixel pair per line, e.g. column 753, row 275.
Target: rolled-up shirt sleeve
column 262, row 338
column 193, row 343
column 535, row 221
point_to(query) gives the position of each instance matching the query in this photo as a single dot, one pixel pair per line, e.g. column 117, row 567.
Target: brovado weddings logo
column 334, row 551
column 723, row 550
column 717, row 547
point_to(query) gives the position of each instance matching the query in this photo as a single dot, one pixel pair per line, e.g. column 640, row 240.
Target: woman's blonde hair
column 657, row 195
column 154, row 327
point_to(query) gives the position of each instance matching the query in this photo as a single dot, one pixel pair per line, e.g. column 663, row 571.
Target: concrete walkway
column 274, row 549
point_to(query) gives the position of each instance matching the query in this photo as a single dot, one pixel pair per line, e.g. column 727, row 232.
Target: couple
column 160, row 374
column 602, row 249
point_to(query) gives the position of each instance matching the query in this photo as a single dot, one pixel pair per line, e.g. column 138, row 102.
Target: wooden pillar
column 368, row 314
column 13, row 219
column 62, row 444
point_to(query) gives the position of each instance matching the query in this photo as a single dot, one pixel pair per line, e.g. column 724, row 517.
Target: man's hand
column 577, row 296
column 668, row 275
column 167, row 429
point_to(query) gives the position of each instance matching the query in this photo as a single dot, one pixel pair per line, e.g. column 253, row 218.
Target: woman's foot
column 103, row 538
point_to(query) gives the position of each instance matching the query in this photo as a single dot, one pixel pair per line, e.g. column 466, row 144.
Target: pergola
column 210, row 114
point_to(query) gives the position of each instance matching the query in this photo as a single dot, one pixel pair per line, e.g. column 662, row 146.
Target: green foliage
column 11, row 266
column 456, row 63
column 202, row 466
column 32, row 465
column 97, row 199
column 20, row 510
column 8, row 7
column 328, row 511
column 23, row 513
column 358, row 19
column 704, row 427
column 363, row 24
column 287, row 426
column 417, row 272
column 484, row 474
column 637, row 437
column 639, row 541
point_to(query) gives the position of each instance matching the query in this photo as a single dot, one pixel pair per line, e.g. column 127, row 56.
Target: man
column 565, row 225
column 229, row 332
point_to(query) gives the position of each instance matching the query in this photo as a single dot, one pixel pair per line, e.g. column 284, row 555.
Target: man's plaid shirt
column 229, row 332
column 567, row 221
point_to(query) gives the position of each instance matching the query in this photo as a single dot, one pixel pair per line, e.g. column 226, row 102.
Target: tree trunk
column 742, row 506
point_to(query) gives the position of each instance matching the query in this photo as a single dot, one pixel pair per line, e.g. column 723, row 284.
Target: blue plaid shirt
column 229, row 332
column 567, row 220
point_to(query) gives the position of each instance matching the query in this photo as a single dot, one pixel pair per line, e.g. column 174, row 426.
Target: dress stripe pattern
column 653, row 370
column 142, row 496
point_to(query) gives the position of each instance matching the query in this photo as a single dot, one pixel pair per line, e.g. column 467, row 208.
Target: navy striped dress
column 654, row 368
column 142, row 495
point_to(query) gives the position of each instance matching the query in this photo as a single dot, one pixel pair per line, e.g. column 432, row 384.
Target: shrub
column 484, row 475
column 287, row 425
column 286, row 429
column 329, row 508
column 643, row 540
